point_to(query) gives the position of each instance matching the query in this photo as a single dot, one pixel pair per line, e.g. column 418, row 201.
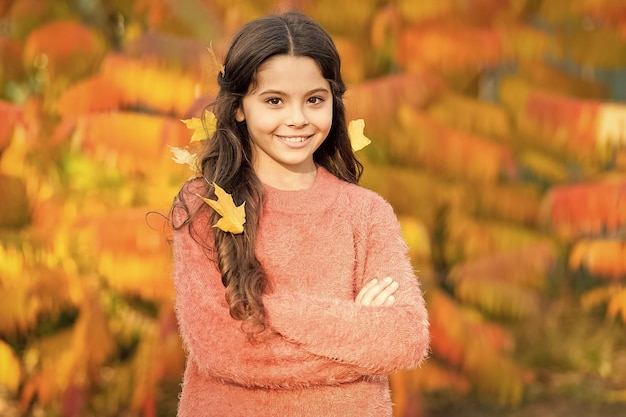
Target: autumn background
column 498, row 133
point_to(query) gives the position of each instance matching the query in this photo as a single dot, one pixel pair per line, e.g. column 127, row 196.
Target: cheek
column 260, row 123
column 324, row 120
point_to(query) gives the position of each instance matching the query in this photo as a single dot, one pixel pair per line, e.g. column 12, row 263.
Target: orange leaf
column 515, row 202
column 133, row 141
column 617, row 305
column 447, row 151
column 125, row 232
column 455, row 329
column 498, row 297
column 470, row 239
column 130, row 273
column 148, row 84
column 525, row 267
column 423, row 193
column 10, row 115
column 448, row 47
column 233, row 217
column 603, row 257
column 416, row 11
column 91, row 95
column 432, row 377
column 614, row 295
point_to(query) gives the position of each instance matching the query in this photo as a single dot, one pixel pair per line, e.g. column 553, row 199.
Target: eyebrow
column 282, row 93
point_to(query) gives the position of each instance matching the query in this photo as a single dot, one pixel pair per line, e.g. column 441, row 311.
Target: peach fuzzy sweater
column 322, row 355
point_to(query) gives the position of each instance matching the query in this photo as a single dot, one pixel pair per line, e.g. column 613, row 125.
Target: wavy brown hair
column 227, row 156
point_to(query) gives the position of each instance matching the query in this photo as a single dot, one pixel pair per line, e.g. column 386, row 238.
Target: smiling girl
column 308, row 310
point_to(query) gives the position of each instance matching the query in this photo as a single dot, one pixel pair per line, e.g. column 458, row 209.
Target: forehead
column 290, row 72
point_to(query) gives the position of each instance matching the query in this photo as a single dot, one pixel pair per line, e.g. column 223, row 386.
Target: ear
column 239, row 116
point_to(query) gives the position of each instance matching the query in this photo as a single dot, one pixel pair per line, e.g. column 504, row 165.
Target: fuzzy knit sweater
column 321, row 355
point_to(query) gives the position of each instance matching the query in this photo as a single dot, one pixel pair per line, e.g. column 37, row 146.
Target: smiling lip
column 294, row 140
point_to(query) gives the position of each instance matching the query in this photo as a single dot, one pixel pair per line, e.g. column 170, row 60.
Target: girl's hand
column 377, row 293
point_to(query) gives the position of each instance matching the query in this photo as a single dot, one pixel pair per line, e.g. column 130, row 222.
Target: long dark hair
column 227, row 157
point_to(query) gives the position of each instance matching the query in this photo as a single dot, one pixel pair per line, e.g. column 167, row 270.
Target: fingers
column 389, row 301
column 387, row 290
column 367, row 287
column 378, row 293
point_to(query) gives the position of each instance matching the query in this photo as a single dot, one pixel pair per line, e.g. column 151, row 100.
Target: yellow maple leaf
column 183, row 156
column 233, row 217
column 202, row 129
column 357, row 138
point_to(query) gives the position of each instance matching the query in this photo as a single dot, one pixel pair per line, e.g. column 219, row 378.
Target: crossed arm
column 217, row 344
column 386, row 329
column 383, row 330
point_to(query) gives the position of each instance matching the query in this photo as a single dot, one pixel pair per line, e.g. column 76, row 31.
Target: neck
column 288, row 180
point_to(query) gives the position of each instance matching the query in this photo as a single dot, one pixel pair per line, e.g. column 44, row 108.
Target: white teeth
column 293, row 139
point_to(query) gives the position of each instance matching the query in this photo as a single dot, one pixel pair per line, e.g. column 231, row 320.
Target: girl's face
column 288, row 113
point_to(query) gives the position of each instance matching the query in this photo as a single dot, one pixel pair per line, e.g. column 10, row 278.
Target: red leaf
column 586, row 208
column 11, row 59
column 378, row 101
column 73, row 401
column 10, row 115
column 188, row 54
column 569, row 124
column 63, row 46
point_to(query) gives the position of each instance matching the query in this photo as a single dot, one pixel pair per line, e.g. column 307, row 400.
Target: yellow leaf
column 183, row 156
column 202, row 129
column 10, row 373
column 610, row 128
column 215, row 61
column 416, row 236
column 357, row 138
column 233, row 217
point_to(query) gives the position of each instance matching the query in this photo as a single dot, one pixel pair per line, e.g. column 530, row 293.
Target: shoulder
column 192, row 187
column 187, row 203
column 364, row 205
column 353, row 193
column 363, row 198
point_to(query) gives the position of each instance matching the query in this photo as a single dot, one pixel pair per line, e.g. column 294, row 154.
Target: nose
column 297, row 117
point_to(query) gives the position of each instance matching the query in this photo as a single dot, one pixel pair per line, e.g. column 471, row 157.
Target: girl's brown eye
column 273, row 101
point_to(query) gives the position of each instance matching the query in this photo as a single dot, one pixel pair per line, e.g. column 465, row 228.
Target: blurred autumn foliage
column 499, row 136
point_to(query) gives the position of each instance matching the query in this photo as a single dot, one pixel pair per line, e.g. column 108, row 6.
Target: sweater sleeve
column 219, row 347
column 381, row 339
